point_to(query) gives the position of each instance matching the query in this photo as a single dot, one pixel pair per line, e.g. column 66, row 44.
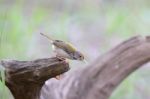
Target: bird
column 64, row 50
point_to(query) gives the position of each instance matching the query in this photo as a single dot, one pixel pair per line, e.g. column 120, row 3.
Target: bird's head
column 78, row 56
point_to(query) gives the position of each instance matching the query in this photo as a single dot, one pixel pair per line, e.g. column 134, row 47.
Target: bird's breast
column 61, row 53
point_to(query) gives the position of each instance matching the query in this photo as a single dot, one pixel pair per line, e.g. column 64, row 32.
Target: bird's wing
column 66, row 47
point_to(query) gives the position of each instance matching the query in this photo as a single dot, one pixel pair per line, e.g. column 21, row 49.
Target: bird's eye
column 81, row 56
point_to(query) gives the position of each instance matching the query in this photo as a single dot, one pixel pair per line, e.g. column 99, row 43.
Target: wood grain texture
column 99, row 79
column 96, row 81
column 26, row 78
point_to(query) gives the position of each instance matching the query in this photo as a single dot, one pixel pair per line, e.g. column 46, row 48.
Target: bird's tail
column 51, row 40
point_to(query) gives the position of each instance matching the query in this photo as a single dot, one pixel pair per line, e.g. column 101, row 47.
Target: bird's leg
column 58, row 77
column 60, row 58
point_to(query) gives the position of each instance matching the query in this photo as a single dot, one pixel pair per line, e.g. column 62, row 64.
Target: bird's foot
column 61, row 58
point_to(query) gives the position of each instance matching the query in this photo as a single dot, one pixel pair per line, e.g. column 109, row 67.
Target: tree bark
column 99, row 79
column 26, row 78
column 95, row 81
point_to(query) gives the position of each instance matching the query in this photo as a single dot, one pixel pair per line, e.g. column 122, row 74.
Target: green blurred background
column 93, row 26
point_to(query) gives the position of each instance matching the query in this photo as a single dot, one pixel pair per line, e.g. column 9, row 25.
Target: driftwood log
column 96, row 81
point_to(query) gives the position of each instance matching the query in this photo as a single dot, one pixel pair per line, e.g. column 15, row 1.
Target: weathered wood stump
column 26, row 78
